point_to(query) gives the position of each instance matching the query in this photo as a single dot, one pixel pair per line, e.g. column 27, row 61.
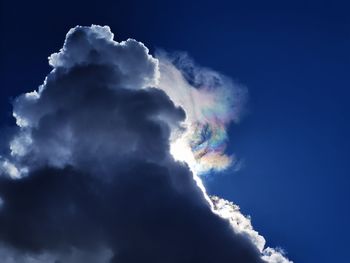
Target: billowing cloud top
column 95, row 45
column 91, row 174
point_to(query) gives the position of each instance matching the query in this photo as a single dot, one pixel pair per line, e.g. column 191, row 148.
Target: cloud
column 134, row 67
column 73, row 255
column 242, row 224
column 211, row 101
column 89, row 174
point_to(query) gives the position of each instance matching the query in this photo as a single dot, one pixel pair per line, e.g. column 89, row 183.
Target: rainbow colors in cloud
column 211, row 101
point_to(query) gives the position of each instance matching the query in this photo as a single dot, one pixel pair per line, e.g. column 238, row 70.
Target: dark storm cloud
column 95, row 173
column 140, row 219
column 84, row 119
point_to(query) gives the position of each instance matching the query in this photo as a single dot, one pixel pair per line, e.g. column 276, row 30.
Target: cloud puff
column 134, row 67
column 242, row 225
column 89, row 175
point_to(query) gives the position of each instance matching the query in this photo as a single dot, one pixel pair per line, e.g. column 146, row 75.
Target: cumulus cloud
column 89, row 174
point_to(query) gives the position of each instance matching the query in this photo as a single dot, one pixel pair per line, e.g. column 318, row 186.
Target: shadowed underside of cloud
column 89, row 177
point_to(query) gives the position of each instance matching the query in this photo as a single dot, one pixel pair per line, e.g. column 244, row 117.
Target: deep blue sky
column 293, row 57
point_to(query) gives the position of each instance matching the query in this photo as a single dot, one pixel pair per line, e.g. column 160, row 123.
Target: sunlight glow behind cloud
column 97, row 118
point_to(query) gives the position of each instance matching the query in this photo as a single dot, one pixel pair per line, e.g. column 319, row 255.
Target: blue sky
column 292, row 56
